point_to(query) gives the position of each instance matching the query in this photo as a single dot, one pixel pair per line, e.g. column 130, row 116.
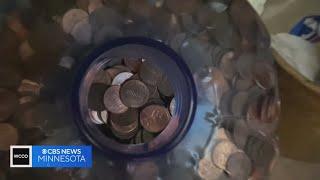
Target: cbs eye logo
column 20, row 156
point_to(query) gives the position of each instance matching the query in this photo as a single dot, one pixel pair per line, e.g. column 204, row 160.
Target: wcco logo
column 20, row 156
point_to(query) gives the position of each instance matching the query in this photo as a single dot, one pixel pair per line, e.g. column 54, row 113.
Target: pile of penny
column 133, row 100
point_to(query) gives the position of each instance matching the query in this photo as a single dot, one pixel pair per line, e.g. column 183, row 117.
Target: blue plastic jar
column 168, row 62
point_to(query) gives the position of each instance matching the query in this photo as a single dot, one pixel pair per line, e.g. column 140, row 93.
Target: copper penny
column 126, row 118
column 113, row 72
column 8, row 136
column 221, row 153
column 132, row 64
column 121, row 78
column 153, row 92
column 8, row 104
column 260, row 150
column 165, row 87
column 95, row 96
column 154, row 118
column 113, row 102
column 239, row 166
column 149, row 73
column 134, row 93
column 102, row 77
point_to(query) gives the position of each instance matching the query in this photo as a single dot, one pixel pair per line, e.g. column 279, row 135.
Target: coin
column 82, row 32
column 164, row 87
column 153, row 92
column 71, row 18
column 227, row 65
column 188, row 6
column 94, row 4
column 102, row 77
column 97, row 119
column 134, row 93
column 172, row 106
column 113, row 72
column 239, row 102
column 25, row 50
column 154, row 118
column 149, row 73
column 260, row 150
column 221, row 153
column 67, row 62
column 8, row 136
column 222, row 134
column 96, row 95
column 104, row 16
column 132, row 64
column 125, row 119
column 241, row 132
column 239, row 166
column 8, row 104
column 208, row 171
column 121, row 78
column 112, row 100
column 125, row 136
column 28, row 86
column 264, row 75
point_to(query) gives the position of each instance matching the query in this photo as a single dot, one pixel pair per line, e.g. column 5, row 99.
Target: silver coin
column 67, row 62
column 121, row 78
column 134, row 93
column 221, row 153
column 82, row 32
column 172, row 106
column 239, row 166
column 113, row 102
column 71, row 18
column 95, row 117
